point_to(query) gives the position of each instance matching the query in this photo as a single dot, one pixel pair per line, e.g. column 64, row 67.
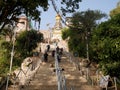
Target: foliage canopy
column 106, row 46
column 116, row 10
column 9, row 9
column 25, row 43
column 82, row 25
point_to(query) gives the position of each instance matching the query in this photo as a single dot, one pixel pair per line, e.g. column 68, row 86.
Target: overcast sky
column 103, row 5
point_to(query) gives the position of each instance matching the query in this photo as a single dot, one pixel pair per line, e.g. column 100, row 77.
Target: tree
column 5, row 49
column 8, row 31
column 82, row 25
column 116, row 10
column 24, row 45
column 65, row 33
column 105, row 46
column 10, row 9
column 27, row 41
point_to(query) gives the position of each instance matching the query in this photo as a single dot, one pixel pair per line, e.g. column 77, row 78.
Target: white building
column 23, row 24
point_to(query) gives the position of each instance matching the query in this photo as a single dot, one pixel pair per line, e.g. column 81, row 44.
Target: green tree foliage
column 5, row 56
column 116, row 10
column 65, row 33
column 106, row 46
column 69, row 6
column 9, row 9
column 86, row 20
column 27, row 41
column 82, row 25
column 7, row 31
column 5, row 53
column 24, row 45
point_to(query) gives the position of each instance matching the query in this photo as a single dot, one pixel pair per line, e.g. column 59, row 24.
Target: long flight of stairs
column 45, row 77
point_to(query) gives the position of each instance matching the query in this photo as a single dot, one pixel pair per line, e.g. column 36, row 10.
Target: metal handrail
column 27, row 73
column 118, row 80
column 60, row 76
column 63, row 81
column 88, row 76
column 57, row 71
column 3, row 82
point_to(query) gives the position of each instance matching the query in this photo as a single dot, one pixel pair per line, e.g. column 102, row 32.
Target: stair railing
column 68, row 55
column 58, row 71
column 116, row 80
column 27, row 74
column 63, row 82
column 60, row 77
column 17, row 76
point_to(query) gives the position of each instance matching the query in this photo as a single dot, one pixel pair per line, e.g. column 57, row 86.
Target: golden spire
column 58, row 17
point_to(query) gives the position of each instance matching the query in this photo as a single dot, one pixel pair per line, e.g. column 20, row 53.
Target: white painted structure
column 23, row 24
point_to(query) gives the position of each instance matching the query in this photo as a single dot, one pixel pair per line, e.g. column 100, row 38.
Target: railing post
column 64, row 81
column 87, row 73
column 57, row 71
column 11, row 60
column 115, row 83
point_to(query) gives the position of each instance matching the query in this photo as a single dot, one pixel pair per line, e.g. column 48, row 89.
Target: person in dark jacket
column 45, row 57
column 53, row 53
column 59, row 58
column 57, row 49
column 48, row 48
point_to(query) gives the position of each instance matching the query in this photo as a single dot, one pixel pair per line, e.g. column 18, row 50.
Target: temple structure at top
column 56, row 31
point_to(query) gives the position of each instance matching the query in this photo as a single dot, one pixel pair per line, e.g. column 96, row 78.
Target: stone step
column 40, row 87
column 54, row 87
column 45, row 78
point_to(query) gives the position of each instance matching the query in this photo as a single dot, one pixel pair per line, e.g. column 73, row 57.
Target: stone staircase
column 45, row 77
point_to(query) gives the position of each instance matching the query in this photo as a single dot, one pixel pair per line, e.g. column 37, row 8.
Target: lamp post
column 87, row 46
column 15, row 29
column 49, row 33
column 87, row 52
column 12, row 54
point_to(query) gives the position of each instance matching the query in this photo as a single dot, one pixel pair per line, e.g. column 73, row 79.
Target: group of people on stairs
column 58, row 51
